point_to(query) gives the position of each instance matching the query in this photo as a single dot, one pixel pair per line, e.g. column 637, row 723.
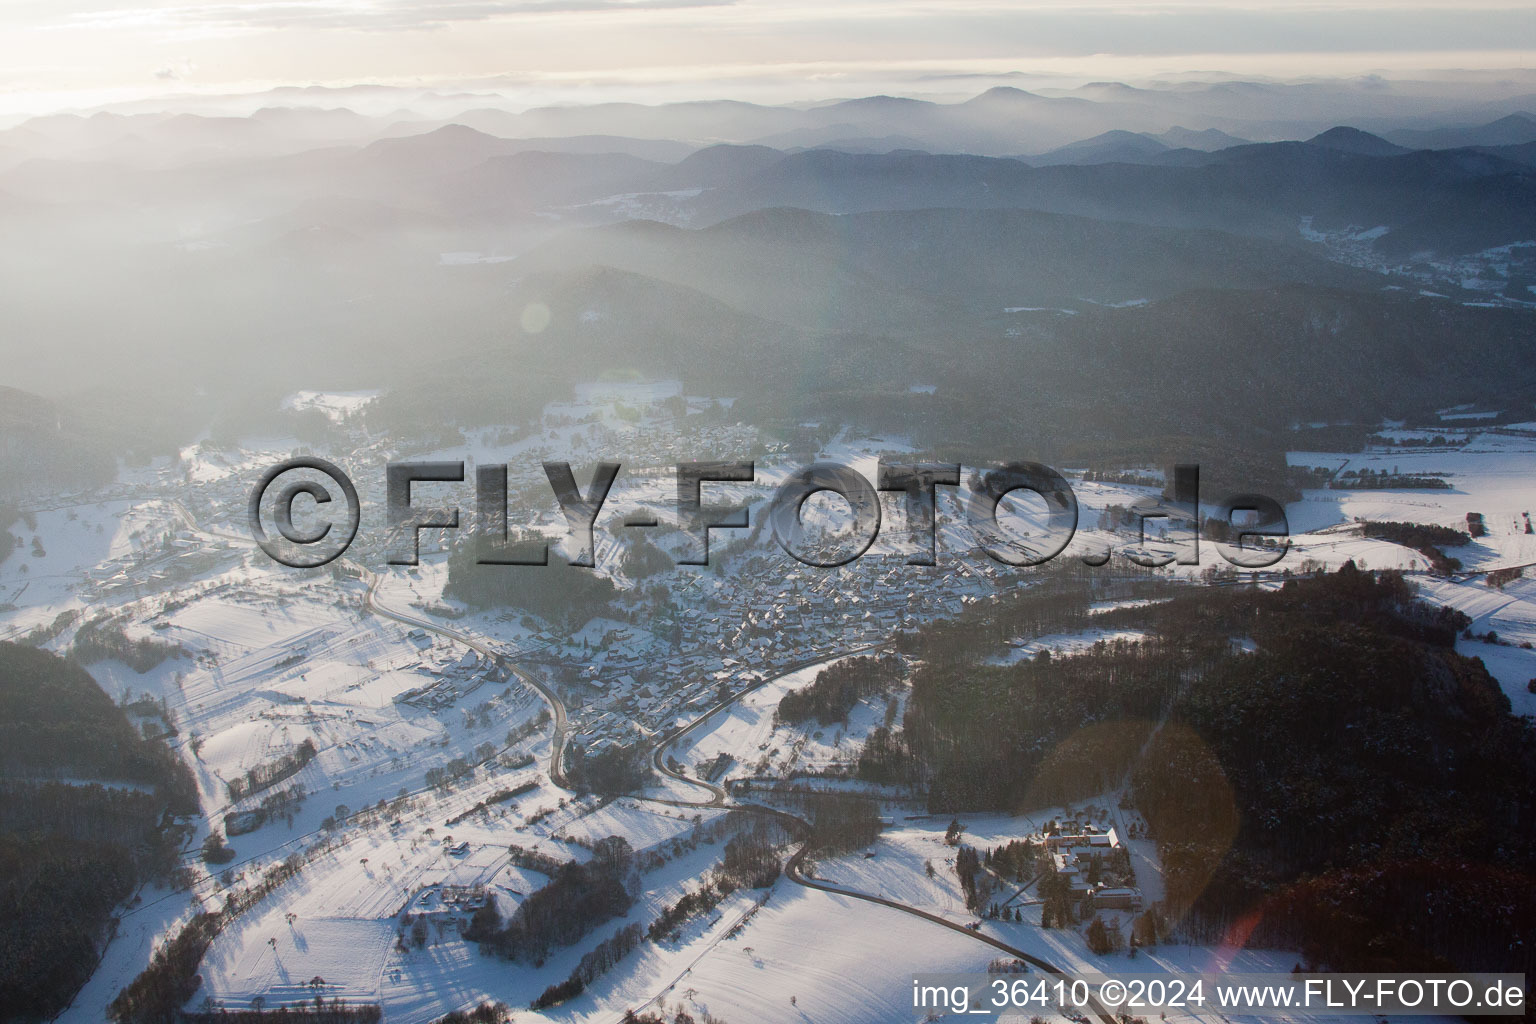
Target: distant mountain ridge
column 896, row 272
column 1119, row 146
column 1352, row 140
column 1512, row 130
column 1000, row 121
column 328, row 247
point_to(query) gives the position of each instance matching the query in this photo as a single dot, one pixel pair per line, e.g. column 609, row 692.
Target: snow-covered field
column 745, row 731
column 1490, row 475
column 336, row 405
column 42, row 576
column 1511, row 614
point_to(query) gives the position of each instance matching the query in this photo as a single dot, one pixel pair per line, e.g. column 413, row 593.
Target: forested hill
column 1303, row 757
column 83, row 805
column 55, row 720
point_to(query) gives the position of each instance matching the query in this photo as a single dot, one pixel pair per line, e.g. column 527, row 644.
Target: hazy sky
column 49, row 47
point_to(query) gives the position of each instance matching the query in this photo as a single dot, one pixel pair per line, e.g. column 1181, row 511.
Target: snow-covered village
column 385, row 774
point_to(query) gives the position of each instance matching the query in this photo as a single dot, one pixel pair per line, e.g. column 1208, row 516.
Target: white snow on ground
column 1510, row 614
column 1513, row 667
column 898, row 866
column 275, row 664
column 237, row 627
column 645, row 825
column 838, row 958
column 1490, row 475
column 745, row 731
column 1103, row 607
column 863, row 954
column 337, row 405
column 148, row 917
column 206, row 462
column 344, row 909
column 898, row 870
column 1022, row 649
column 74, row 539
column 274, row 668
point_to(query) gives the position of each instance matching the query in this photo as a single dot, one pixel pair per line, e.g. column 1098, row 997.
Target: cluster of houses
column 184, row 555
column 1086, row 856
column 736, row 630
column 450, row 682
column 725, row 633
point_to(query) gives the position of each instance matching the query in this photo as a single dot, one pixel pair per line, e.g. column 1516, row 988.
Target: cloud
column 1028, row 29
column 175, row 72
column 374, row 15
